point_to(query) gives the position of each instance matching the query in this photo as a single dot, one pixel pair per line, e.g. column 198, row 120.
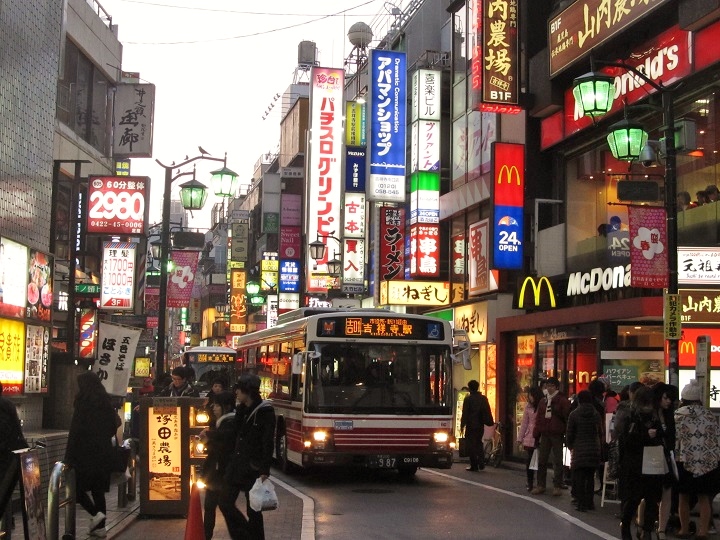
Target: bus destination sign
column 380, row 327
column 203, row 358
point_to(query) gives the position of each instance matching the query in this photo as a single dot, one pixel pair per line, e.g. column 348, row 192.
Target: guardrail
column 61, row 494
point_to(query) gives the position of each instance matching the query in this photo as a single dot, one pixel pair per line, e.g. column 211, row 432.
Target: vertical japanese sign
column 239, row 242
column 324, row 164
column 37, row 352
column 509, row 200
column 133, row 120
column 289, row 276
column 117, row 205
column 12, row 354
column 500, row 52
column 648, row 247
column 478, row 264
column 40, row 286
column 392, row 243
column 353, row 272
column 355, row 124
column 182, row 278
column 355, row 167
column 13, row 278
column 387, row 113
column 424, row 250
column 238, row 305
column 116, row 354
column 354, row 218
column 164, row 451
column 457, row 267
column 118, row 276
column 672, row 316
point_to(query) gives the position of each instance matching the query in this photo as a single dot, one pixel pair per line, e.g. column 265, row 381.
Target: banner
column 116, row 354
column 180, row 281
column 648, row 247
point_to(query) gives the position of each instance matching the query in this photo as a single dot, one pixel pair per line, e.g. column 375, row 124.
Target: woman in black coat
column 584, row 432
column 89, row 448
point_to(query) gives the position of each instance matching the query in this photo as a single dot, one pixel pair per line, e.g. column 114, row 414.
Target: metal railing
column 61, row 494
column 101, row 12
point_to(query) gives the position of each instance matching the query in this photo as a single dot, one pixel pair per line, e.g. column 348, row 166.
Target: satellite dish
column 360, row 35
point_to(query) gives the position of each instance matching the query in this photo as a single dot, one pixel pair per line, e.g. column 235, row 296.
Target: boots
column 625, row 533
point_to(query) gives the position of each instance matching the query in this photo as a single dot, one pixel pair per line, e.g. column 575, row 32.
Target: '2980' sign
column 117, row 204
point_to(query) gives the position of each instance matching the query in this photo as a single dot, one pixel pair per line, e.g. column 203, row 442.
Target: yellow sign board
column 415, row 293
column 672, row 313
column 12, row 355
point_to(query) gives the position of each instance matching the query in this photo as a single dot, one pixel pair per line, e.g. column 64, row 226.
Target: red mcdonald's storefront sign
column 688, row 346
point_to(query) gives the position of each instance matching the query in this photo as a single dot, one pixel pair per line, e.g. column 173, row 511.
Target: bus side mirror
column 297, row 363
column 461, row 348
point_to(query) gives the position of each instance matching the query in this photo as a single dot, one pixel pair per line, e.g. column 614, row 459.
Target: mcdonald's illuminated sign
column 687, row 347
column 508, row 200
column 537, row 289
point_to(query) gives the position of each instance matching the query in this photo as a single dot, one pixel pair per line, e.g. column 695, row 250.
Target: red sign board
column 117, row 205
column 687, row 348
column 392, row 243
column 425, row 250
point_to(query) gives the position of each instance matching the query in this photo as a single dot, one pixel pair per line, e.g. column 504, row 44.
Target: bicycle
column 495, row 448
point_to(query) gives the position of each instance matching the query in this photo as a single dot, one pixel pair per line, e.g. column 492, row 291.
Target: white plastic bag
column 534, row 460
column 262, row 496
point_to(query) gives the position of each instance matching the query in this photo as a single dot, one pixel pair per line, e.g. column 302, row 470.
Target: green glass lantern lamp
column 626, row 140
column 594, row 93
column 193, row 195
column 224, row 182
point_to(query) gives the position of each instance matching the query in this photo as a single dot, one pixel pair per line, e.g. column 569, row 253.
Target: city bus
column 209, row 364
column 360, row 387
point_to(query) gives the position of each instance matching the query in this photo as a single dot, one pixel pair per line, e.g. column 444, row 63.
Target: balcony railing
column 101, row 12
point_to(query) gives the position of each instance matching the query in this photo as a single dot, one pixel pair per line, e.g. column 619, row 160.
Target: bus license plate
column 383, row 462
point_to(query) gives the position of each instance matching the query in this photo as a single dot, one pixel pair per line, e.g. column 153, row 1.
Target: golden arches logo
column 687, row 347
column 537, row 287
column 508, row 173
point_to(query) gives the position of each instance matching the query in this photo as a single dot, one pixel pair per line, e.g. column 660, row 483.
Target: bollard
column 61, row 493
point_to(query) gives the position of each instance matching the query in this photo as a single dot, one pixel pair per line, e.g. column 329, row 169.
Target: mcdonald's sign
column 537, row 286
column 508, row 200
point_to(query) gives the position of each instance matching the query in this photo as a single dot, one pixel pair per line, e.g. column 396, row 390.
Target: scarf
column 548, row 407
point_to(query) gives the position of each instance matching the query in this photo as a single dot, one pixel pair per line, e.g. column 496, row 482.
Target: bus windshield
column 379, row 378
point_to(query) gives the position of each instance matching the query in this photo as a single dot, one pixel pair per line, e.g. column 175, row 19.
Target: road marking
column 551, row 508
column 308, row 514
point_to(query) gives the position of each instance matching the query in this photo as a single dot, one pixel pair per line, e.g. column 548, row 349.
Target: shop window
column 640, row 337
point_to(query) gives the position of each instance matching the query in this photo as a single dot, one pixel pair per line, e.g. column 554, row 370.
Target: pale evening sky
column 217, row 64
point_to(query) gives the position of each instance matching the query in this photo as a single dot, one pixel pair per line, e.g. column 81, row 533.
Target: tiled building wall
column 30, row 37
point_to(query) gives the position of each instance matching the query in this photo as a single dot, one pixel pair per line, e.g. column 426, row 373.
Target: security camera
column 648, row 156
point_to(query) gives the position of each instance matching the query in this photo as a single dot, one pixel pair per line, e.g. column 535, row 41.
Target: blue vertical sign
column 386, row 121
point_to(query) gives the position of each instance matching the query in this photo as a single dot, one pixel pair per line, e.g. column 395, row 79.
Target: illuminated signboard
column 424, row 250
column 700, row 266
column 289, row 276
column 207, row 357
column 355, row 123
column 13, row 278
column 326, row 138
column 354, row 223
column 700, row 306
column 508, row 201
column 392, row 235
column 380, row 327
column 40, row 286
column 238, row 303
column 12, row 354
column 415, row 293
column 118, row 276
column 164, row 450
column 500, row 52
column 387, row 110
column 355, row 167
column 117, row 204
column 37, row 353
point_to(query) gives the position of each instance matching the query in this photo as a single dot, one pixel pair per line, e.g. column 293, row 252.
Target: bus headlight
column 441, row 439
column 318, row 439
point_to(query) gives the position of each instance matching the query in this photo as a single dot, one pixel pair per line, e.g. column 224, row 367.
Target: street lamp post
column 594, row 94
column 193, row 198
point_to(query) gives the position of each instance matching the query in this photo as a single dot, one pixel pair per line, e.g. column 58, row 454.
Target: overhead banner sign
column 182, row 278
column 387, row 111
column 648, row 247
column 116, row 355
column 117, row 205
column 133, row 120
column 586, row 24
column 509, row 201
column 118, row 276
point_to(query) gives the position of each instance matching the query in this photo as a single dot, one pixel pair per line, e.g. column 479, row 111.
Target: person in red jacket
column 550, row 427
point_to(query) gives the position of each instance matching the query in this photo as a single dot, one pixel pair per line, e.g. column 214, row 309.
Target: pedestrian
column 180, row 385
column 255, row 427
column 584, row 435
column 697, row 452
column 665, row 396
column 220, row 442
column 525, row 437
column 550, row 427
column 622, row 412
column 476, row 414
column 89, row 448
column 641, row 429
column 218, row 386
column 11, row 438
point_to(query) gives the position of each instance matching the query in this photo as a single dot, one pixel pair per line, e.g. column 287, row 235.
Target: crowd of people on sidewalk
column 664, row 455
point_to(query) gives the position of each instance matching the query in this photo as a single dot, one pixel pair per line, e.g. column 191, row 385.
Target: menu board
column 37, row 352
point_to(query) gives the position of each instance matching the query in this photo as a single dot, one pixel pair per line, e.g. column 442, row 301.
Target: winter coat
column 556, row 425
column 476, row 412
column 11, row 436
column 584, row 433
column 631, row 441
column 253, row 444
column 187, row 390
column 697, row 444
column 220, row 444
column 527, row 425
column 89, row 447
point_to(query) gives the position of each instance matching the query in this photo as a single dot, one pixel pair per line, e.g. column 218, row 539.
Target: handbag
column 534, row 460
column 673, row 465
column 462, row 447
column 119, row 460
column 654, row 460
